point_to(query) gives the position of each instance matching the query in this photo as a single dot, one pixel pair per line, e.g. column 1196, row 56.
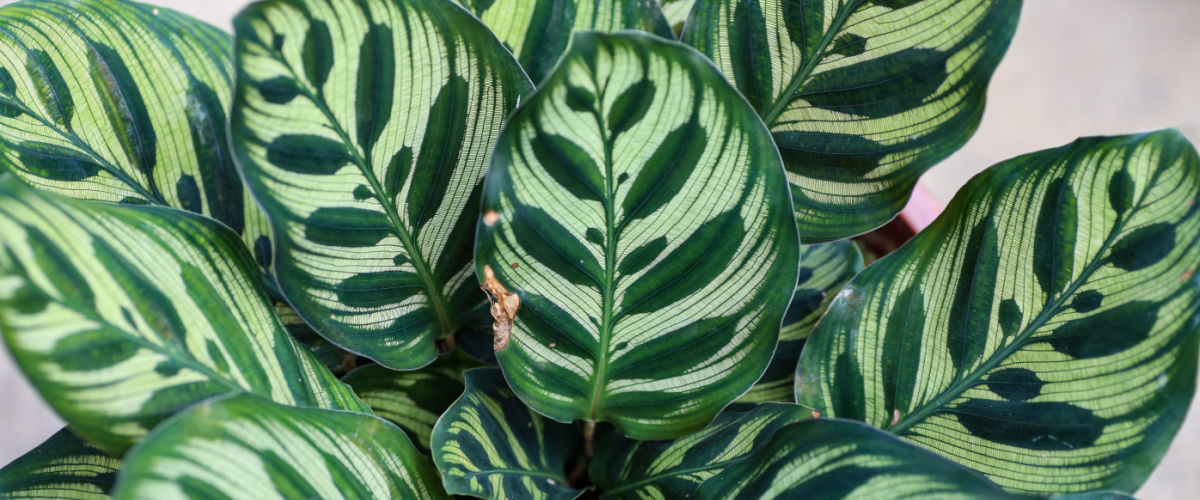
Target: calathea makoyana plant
column 279, row 264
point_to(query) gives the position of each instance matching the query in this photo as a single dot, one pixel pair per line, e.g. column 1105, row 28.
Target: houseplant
column 636, row 236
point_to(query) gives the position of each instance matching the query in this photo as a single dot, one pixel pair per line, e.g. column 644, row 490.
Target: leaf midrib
column 418, row 259
column 806, row 70
column 1020, row 340
column 606, row 324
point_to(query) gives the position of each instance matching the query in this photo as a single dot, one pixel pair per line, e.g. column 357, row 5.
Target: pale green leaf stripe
column 365, row 128
column 117, row 101
column 824, row 269
column 628, row 469
column 835, row 459
column 638, row 209
column 412, row 400
column 121, row 316
column 490, row 445
column 676, row 12
column 1043, row 330
column 537, row 32
column 243, row 447
column 861, row 96
column 63, row 467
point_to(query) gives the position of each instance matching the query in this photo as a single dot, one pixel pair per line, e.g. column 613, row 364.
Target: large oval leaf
column 490, row 445
column 121, row 316
column 840, row 459
column 628, row 469
column 1043, row 330
column 412, row 400
column 637, row 224
column 62, row 467
column 245, row 447
column 364, row 128
column 537, row 31
column 862, row 96
column 824, row 269
column 118, row 101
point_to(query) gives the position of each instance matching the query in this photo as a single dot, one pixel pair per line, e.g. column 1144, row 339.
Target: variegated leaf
column 824, row 269
column 637, row 224
column 538, row 31
column 841, row 459
column 490, row 445
column 628, row 469
column 861, row 96
column 412, row 400
column 121, row 316
column 364, row 128
column 118, row 101
column 63, row 467
column 244, row 447
column 676, row 12
column 1043, row 330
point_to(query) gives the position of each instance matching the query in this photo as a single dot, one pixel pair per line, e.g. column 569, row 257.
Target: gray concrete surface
column 1076, row 68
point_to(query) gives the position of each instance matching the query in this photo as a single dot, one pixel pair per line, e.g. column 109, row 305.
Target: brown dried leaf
column 504, row 307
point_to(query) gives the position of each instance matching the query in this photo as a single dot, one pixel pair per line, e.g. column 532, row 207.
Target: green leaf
column 332, row 357
column 840, row 459
column 411, row 400
column 243, row 446
column 1043, row 330
column 861, row 96
column 676, row 12
column 824, row 269
column 537, row 32
column 490, row 445
column 628, row 469
column 118, row 101
column 637, row 209
column 364, row 128
column 62, row 467
column 121, row 316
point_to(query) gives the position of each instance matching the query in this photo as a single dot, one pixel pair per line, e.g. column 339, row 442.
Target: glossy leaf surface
column 840, row 459
column 490, row 445
column 245, row 447
column 121, row 316
column 636, row 223
column 119, row 101
column 537, row 32
column 412, row 400
column 861, row 96
column 365, row 128
column 824, row 269
column 1043, row 330
column 64, row 466
column 628, row 469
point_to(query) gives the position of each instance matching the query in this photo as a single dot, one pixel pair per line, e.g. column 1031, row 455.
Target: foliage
column 255, row 266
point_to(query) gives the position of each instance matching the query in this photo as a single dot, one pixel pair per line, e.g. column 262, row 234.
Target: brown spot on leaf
column 895, row 417
column 816, row 414
column 515, row 265
column 504, row 307
column 491, row 217
column 1187, row 275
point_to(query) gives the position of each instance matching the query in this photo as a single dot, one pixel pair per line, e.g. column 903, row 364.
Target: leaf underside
column 637, row 208
column 1042, row 330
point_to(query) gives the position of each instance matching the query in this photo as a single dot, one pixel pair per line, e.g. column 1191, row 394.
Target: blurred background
column 1076, row 68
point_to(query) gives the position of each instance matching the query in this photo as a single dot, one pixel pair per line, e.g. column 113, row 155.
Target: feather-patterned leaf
column 628, row 469
column 1043, row 330
column 490, row 445
column 840, row 459
column 538, row 31
column 63, row 467
column 824, row 269
column 861, row 96
column 637, row 224
column 412, row 400
column 123, row 315
column 118, row 101
column 364, row 128
column 247, row 448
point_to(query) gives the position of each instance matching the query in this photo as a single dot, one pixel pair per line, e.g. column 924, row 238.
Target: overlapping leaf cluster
column 202, row 238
